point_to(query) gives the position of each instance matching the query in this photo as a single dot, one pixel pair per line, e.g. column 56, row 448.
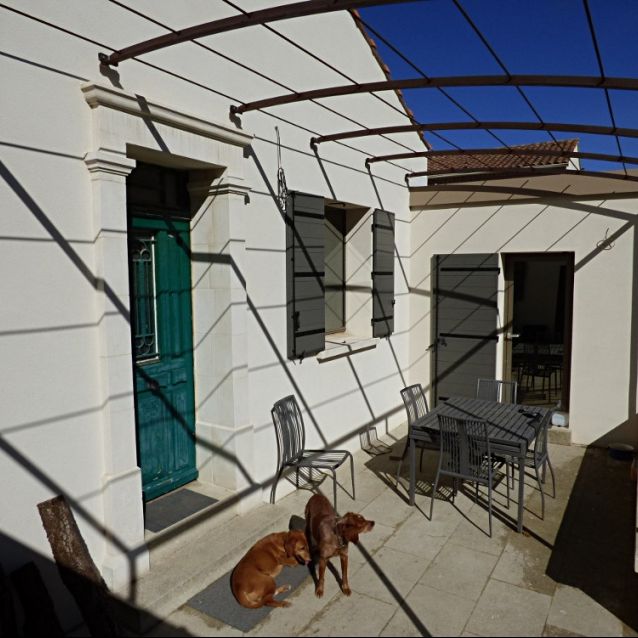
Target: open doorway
column 538, row 320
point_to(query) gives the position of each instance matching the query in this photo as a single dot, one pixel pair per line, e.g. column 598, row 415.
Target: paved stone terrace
column 569, row 574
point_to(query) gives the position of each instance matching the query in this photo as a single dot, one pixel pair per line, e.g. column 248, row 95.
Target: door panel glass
column 540, row 333
column 143, row 301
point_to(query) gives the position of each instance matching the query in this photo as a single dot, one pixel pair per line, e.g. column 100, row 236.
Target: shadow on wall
column 35, row 602
column 13, row 553
column 594, row 549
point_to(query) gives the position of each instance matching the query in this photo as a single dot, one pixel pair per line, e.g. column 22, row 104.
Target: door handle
column 439, row 342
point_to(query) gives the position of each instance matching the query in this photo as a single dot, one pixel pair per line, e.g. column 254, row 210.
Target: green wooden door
column 161, row 325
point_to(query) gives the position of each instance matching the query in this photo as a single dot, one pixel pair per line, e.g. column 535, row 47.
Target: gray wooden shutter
column 304, row 274
column 466, row 322
column 382, row 273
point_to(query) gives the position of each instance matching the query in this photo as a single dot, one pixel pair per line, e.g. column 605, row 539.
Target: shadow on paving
column 594, row 549
column 34, row 601
column 386, row 466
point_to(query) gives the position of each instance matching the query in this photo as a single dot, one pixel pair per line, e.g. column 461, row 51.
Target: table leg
column 412, row 469
column 521, row 485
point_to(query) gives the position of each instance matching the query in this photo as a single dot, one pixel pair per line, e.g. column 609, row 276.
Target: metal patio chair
column 538, row 459
column 291, row 447
column 465, row 455
column 416, row 407
column 497, row 390
column 501, row 392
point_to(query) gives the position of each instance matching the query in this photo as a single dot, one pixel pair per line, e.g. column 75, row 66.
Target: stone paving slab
column 350, row 616
column 305, row 608
column 390, row 575
column 507, row 610
column 187, row 621
column 576, row 612
column 430, row 610
column 461, row 571
column 472, row 533
column 387, row 509
column 369, row 543
column 524, row 563
column 410, row 538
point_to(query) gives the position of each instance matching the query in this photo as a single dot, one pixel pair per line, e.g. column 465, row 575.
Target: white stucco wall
column 67, row 384
column 603, row 372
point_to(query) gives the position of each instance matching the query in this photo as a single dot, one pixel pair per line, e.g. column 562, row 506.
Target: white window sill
column 342, row 344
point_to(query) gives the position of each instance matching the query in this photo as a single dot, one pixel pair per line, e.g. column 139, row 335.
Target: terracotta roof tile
column 491, row 160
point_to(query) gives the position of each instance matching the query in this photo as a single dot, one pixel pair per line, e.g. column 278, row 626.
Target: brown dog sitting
column 329, row 535
column 253, row 579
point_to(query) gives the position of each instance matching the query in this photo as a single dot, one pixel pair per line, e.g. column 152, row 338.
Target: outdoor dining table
column 511, row 428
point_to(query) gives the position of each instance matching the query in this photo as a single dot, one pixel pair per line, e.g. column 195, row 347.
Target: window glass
column 143, row 301
column 334, row 280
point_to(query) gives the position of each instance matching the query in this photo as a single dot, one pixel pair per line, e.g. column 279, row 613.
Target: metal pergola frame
column 313, row 7
column 487, row 174
column 569, row 81
column 459, row 126
column 248, row 19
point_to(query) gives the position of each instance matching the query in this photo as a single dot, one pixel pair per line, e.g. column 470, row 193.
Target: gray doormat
column 174, row 507
column 217, row 599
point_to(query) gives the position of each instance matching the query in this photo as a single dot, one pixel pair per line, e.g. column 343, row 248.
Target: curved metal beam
column 459, row 126
column 453, row 177
column 250, row 18
column 603, row 157
column 530, row 168
column 510, row 174
column 571, row 81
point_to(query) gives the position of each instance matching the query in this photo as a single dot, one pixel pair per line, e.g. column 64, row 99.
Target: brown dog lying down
column 329, row 535
column 253, row 580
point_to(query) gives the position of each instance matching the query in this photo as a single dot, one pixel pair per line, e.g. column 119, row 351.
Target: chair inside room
column 497, row 390
column 544, row 362
column 466, row 456
column 416, row 407
column 291, row 450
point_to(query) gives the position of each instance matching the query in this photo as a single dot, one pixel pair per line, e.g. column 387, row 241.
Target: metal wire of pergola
column 181, row 76
column 264, row 17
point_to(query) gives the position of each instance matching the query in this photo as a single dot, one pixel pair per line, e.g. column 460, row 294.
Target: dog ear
column 290, row 544
column 347, row 529
column 351, row 534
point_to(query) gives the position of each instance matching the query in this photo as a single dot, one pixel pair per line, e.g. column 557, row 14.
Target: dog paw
column 319, row 592
column 346, row 590
column 285, row 603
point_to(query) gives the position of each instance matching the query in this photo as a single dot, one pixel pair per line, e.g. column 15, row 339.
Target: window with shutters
column 340, row 275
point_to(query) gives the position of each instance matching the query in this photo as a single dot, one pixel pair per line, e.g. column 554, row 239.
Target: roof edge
column 386, row 70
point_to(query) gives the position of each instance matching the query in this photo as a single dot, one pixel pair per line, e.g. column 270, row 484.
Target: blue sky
column 530, row 37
